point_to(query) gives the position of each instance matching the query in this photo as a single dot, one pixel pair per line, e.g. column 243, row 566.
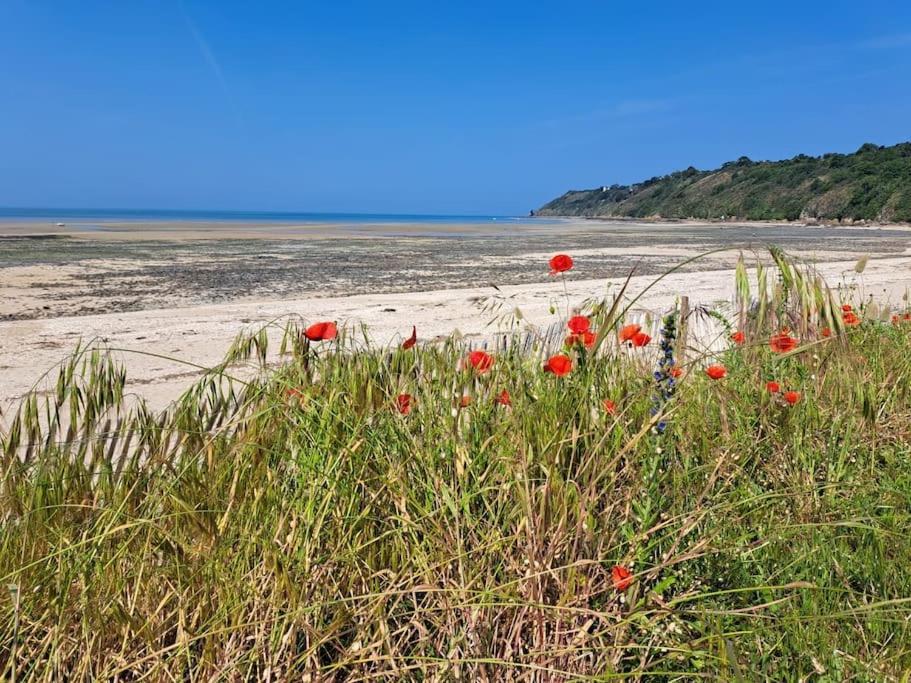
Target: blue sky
column 426, row 107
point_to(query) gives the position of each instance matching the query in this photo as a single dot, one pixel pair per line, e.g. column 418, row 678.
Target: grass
column 296, row 526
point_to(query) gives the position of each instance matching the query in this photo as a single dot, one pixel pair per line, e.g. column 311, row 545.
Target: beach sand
column 178, row 298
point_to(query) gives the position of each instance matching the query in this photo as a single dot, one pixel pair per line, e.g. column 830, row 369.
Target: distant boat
column 61, row 225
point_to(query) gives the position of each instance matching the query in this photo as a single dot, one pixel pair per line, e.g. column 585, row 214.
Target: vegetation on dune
column 537, row 510
column 872, row 184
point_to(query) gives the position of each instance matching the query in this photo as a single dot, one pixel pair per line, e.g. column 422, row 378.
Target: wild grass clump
column 305, row 523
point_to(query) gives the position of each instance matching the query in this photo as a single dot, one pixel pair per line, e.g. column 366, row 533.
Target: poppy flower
column 627, row 332
column 465, row 401
column 294, row 393
column 481, row 361
column 610, row 407
column 716, row 371
column 412, row 340
column 587, row 339
column 773, row 387
column 579, row 324
column 826, row 332
column 503, row 399
column 621, row 577
column 850, row 318
column 403, row 403
column 846, row 308
column 321, row 331
column 906, row 316
column 560, row 264
column 782, row 343
column 675, row 372
column 738, row 337
column 792, row 397
column 559, row 365
column 640, row 339
column 895, row 319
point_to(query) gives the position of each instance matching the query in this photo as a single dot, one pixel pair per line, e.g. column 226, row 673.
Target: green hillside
column 873, row 183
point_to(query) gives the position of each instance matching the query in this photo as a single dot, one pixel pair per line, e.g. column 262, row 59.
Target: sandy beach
column 186, row 291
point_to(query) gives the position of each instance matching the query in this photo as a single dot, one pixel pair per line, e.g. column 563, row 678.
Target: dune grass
column 297, row 525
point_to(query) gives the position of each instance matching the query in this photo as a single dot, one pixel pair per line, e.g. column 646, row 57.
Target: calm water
column 104, row 215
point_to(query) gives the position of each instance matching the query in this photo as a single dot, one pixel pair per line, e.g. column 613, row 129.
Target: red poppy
column 610, row 407
column 827, row 332
column 627, row 332
column 716, row 371
column 294, row 393
column 559, row 365
column 321, row 331
column 579, row 324
column 412, row 340
column 403, row 403
column 792, row 397
column 481, row 361
column 906, row 316
column 895, row 319
column 465, row 401
column 503, row 399
column 640, row 339
column 587, row 339
column 773, row 387
column 850, row 318
column 621, row 577
column 738, row 337
column 846, row 308
column 782, row 343
column 675, row 371
column 560, row 264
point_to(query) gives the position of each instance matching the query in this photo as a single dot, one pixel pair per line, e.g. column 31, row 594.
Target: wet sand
column 119, row 267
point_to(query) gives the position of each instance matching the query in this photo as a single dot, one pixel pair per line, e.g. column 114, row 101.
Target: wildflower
column 773, row 387
column 579, row 324
column 846, row 308
column 716, row 371
column 587, row 339
column 850, row 318
column 560, row 264
column 559, row 365
column 783, row 342
column 481, row 361
column 403, row 403
column 738, row 337
column 826, row 332
column 667, row 371
column 792, row 397
column 610, row 407
column 640, row 339
column 906, row 316
column 321, row 331
column 412, row 340
column 294, row 393
column 621, row 577
column 627, row 332
column 503, row 399
column 465, row 401
column 675, row 372
column 895, row 319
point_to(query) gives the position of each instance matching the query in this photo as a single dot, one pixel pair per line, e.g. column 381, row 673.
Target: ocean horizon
column 97, row 214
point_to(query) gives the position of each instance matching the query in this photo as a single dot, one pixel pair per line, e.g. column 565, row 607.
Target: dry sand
column 187, row 288
column 201, row 334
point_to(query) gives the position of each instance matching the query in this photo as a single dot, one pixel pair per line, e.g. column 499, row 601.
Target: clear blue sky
column 456, row 107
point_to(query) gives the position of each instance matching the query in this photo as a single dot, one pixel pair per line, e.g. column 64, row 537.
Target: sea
column 80, row 216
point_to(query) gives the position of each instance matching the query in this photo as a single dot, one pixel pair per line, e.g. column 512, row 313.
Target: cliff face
column 873, row 183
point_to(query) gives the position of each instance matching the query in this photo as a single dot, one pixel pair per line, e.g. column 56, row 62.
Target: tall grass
column 294, row 525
